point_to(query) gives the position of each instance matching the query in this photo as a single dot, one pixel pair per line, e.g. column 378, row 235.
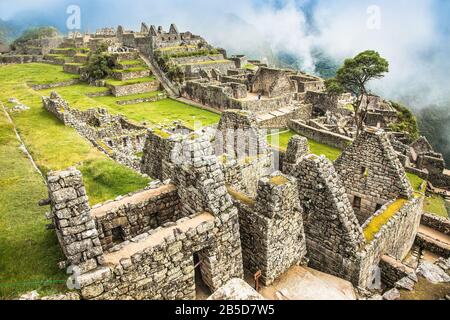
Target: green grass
column 153, row 113
column 416, row 182
column 131, row 62
column 316, row 148
column 106, row 180
column 436, row 205
column 129, row 82
column 52, row 145
column 205, row 62
column 29, row 253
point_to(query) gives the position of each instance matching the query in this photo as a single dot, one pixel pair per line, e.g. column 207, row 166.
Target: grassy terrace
column 152, row 113
column 205, row 62
column 316, row 148
column 131, row 62
column 29, row 253
column 54, row 146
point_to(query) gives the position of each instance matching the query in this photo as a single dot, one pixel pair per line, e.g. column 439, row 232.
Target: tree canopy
column 353, row 77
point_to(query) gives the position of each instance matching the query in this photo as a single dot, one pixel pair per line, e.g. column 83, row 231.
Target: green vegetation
column 35, row 33
column 354, row 77
column 379, row 221
column 316, row 148
column 52, row 145
column 99, row 66
column 153, row 114
column 436, row 205
column 29, row 253
column 205, row 62
column 250, row 66
column 407, row 122
column 137, row 62
column 416, row 182
column 105, row 180
column 241, row 197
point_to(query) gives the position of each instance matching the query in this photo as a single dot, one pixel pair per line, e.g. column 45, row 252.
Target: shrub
column 407, row 122
column 99, row 66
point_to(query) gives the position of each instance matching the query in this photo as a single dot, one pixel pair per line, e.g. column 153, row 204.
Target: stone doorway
column 200, row 268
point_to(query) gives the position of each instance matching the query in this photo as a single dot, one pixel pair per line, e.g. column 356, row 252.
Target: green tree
column 354, row 76
column 100, row 65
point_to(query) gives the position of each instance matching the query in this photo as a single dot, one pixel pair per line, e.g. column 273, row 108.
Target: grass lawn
column 29, row 253
column 153, row 113
column 436, row 205
column 316, row 148
column 56, row 147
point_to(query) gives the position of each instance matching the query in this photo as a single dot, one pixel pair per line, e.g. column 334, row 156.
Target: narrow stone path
column 434, row 234
column 157, row 72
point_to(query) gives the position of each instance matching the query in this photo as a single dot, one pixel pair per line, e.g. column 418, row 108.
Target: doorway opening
column 201, row 288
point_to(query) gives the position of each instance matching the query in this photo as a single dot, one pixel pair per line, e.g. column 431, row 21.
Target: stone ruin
column 223, row 206
column 113, row 135
column 224, row 212
column 372, row 173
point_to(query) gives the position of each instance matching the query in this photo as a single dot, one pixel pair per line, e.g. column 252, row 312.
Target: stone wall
column 393, row 270
column 372, row 173
column 126, row 218
column 126, row 90
column 129, row 75
column 239, row 135
column 159, row 264
column 74, row 225
column 244, row 175
column 395, row 238
column 272, row 233
column 272, row 82
column 322, row 136
column 437, row 223
column 113, row 135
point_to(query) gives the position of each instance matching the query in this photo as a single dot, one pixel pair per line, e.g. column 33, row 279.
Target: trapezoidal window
column 118, row 236
column 357, row 203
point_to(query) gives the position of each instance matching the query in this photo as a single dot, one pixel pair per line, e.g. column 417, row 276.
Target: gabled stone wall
column 371, row 171
column 334, row 237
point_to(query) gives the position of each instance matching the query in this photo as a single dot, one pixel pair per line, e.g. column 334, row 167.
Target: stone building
column 372, row 173
column 340, row 241
column 272, row 82
column 156, row 254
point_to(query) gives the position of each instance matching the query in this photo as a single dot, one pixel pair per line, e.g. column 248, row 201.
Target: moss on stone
column 379, row 221
column 241, row 197
column 279, row 180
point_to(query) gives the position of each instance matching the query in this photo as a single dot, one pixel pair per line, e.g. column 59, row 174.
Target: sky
column 414, row 35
